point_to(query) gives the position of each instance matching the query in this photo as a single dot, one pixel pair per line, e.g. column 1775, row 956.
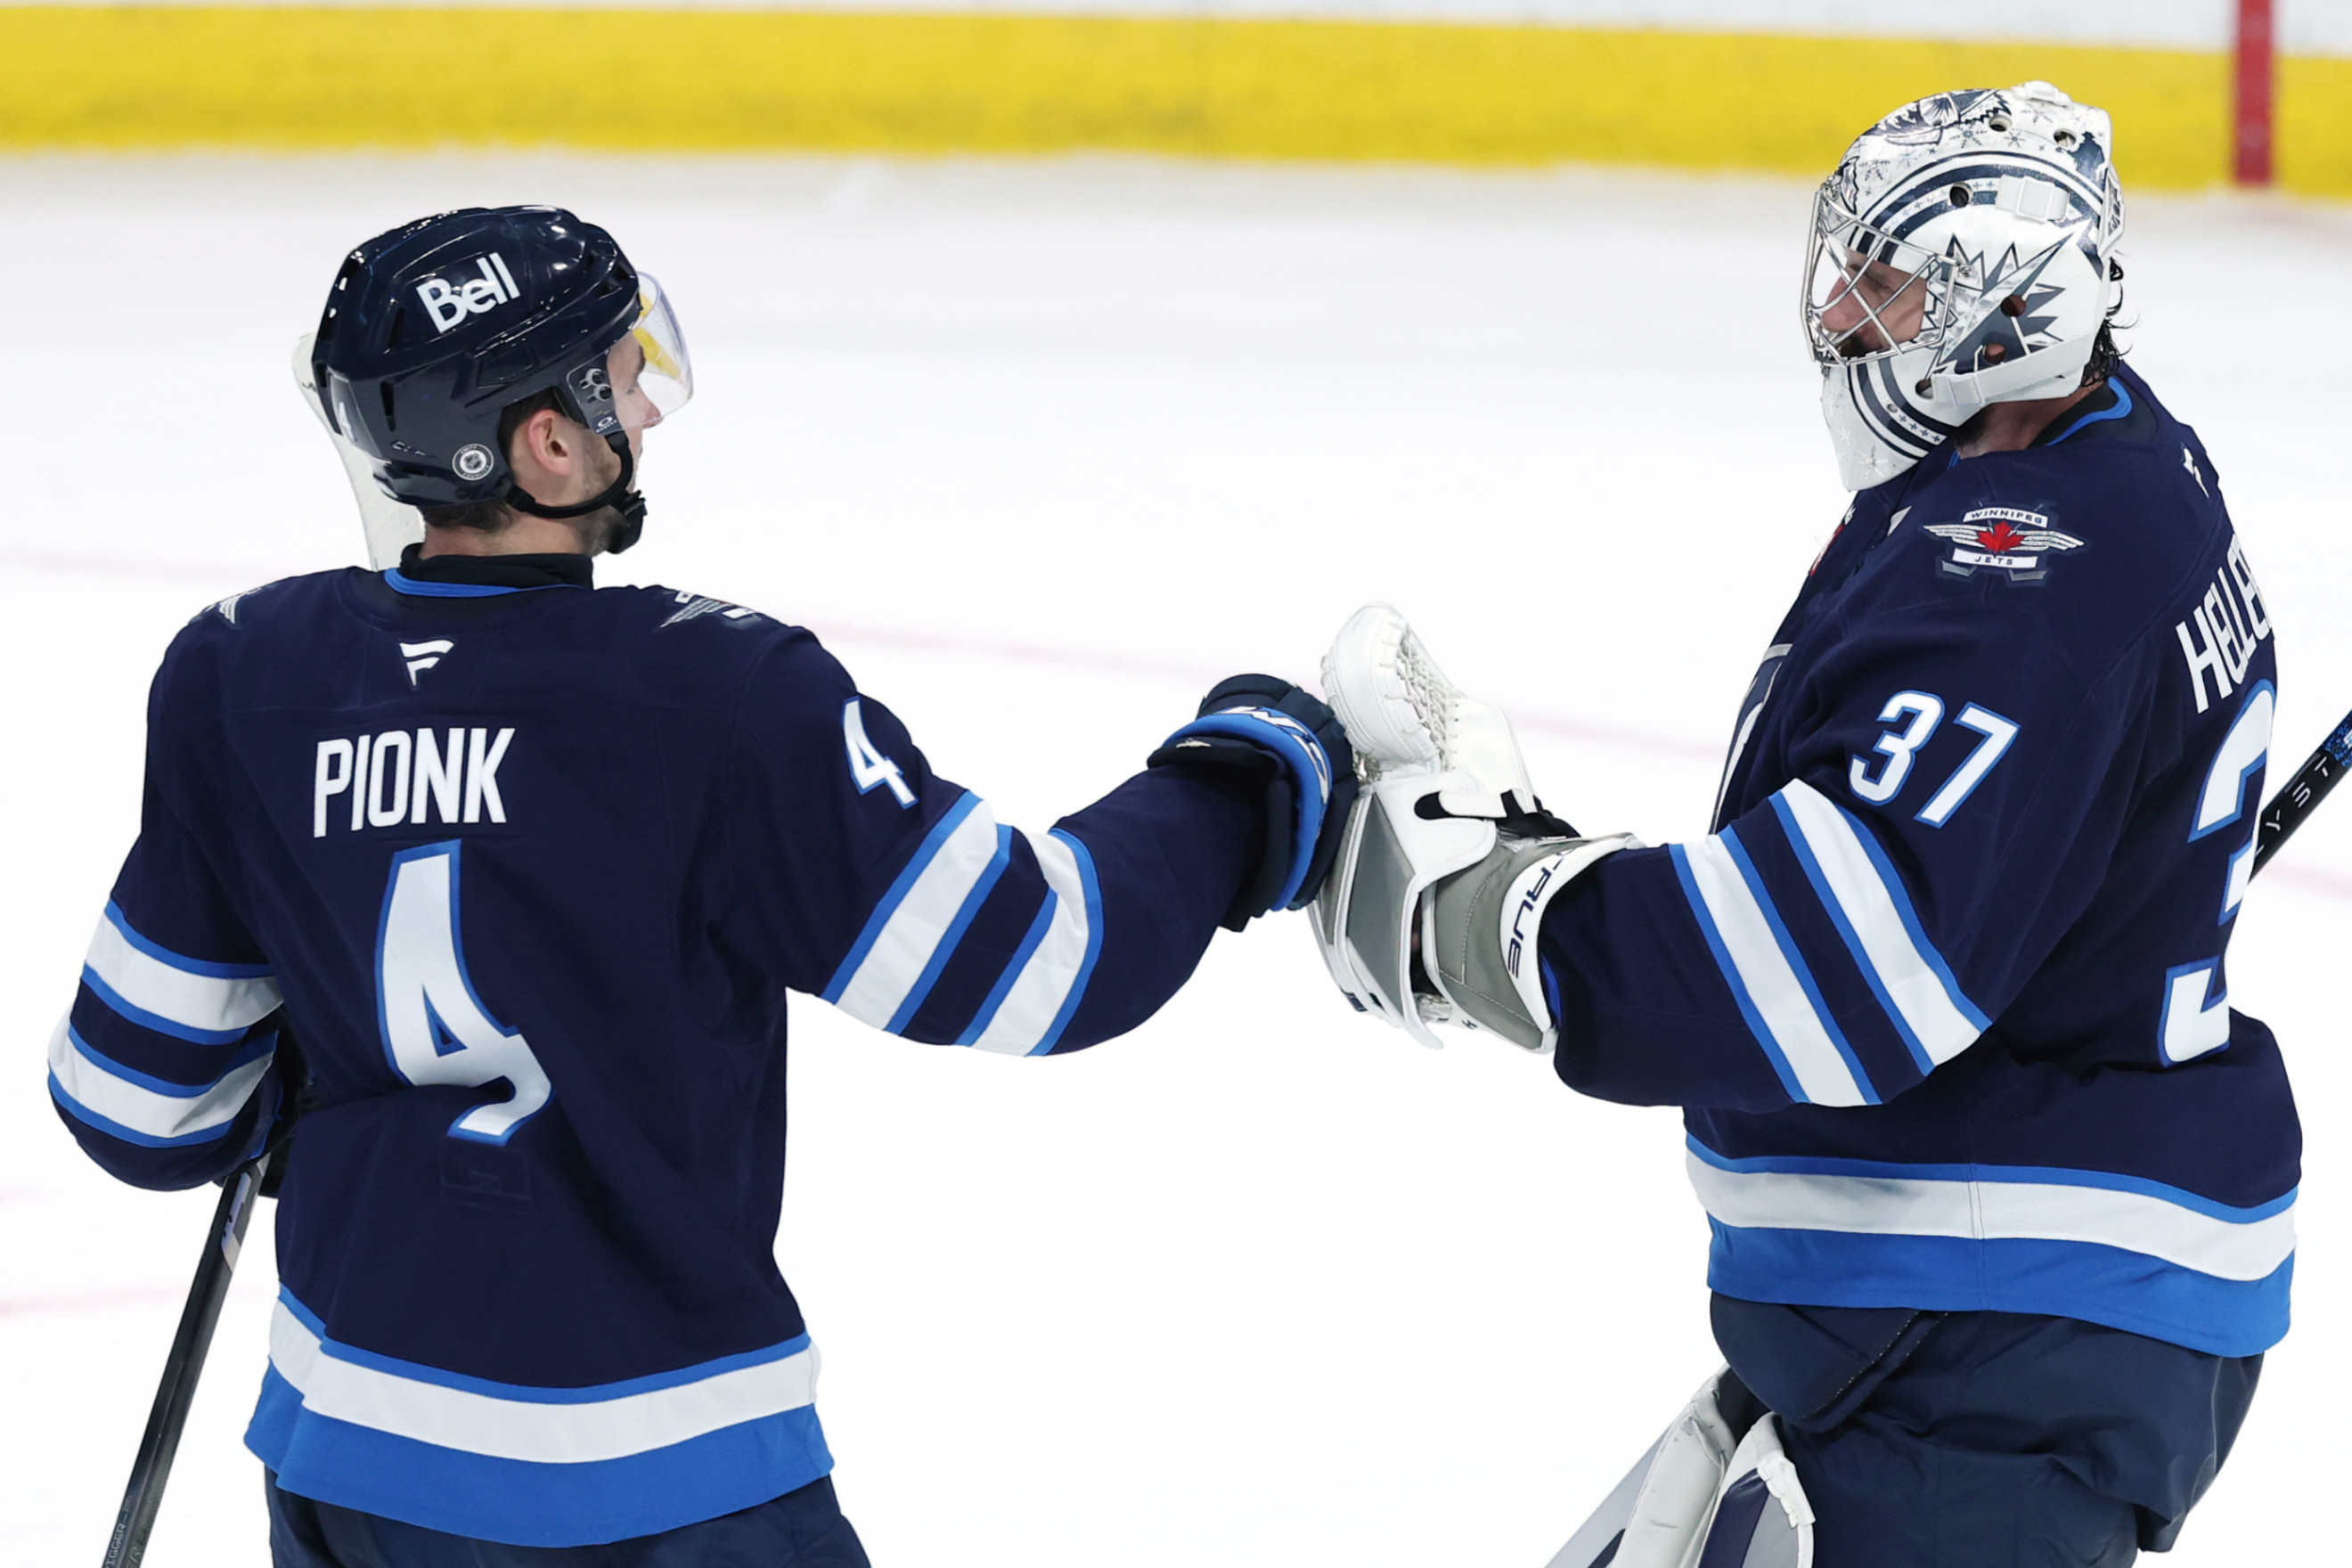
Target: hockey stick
column 2302, row 793
column 161, row 1441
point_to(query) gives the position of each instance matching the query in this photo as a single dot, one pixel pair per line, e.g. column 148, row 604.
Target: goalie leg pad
column 1704, row 1496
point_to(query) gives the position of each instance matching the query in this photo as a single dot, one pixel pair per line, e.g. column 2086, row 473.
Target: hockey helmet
column 1961, row 254
column 435, row 329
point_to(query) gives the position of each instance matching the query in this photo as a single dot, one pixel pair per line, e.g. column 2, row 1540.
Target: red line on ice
column 28, row 1306
column 2308, row 878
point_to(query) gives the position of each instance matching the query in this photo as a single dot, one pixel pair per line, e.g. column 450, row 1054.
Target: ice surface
column 1041, row 448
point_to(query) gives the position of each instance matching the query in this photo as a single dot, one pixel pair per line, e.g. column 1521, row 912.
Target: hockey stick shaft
column 177, row 1392
column 2303, row 793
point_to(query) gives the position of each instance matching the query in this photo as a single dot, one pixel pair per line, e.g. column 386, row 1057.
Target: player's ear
column 542, row 441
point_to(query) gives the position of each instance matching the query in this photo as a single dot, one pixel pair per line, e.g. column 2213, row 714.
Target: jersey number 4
column 435, row 1029
column 868, row 768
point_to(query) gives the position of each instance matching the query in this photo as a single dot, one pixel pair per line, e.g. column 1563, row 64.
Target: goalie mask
column 1959, row 256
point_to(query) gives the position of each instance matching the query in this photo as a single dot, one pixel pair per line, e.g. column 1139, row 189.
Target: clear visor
column 650, row 374
column 1868, row 294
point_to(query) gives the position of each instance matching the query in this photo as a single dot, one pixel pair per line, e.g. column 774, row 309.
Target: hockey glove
column 1449, row 860
column 1280, row 742
column 298, row 1097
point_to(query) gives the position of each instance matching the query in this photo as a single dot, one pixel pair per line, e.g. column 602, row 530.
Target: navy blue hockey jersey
column 1943, row 991
column 529, row 868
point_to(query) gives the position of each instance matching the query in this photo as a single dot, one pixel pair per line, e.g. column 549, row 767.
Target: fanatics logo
column 423, row 655
column 2017, row 544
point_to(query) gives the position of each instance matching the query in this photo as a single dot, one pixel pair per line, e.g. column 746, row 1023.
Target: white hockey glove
column 1449, row 860
column 391, row 527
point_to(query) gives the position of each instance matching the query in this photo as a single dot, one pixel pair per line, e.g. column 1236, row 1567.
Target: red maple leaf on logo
column 2000, row 536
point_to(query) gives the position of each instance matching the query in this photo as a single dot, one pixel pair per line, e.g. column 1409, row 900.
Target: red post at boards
column 2254, row 103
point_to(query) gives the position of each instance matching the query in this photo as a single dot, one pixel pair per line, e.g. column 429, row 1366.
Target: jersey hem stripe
column 2230, row 1250
column 2059, row 1176
column 537, row 1426
column 2097, row 1284
column 526, row 1504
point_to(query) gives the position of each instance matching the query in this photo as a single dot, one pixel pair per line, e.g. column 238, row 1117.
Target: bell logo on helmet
column 473, row 461
column 449, row 304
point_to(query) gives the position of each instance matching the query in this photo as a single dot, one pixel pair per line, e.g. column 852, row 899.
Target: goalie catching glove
column 1448, row 860
column 1279, row 744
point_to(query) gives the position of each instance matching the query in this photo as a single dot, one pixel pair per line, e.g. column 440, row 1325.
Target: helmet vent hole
column 2064, row 139
column 391, row 420
column 2013, row 306
column 399, row 326
column 1926, row 387
column 1999, row 122
column 1959, row 194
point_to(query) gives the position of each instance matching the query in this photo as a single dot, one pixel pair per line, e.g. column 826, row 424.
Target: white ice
column 1041, row 448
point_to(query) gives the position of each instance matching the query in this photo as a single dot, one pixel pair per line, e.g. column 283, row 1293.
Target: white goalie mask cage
column 1959, row 256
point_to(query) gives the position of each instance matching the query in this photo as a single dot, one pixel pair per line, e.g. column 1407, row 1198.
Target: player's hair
column 2105, row 352
column 494, row 516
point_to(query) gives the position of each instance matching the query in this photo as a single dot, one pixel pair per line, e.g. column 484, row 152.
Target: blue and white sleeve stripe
column 913, row 934
column 913, row 930
column 1828, row 916
column 1767, row 974
column 1042, row 986
column 142, row 1108
column 1865, row 898
column 203, row 1003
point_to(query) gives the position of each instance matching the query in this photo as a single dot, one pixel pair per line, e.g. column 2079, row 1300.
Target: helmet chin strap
column 618, row 495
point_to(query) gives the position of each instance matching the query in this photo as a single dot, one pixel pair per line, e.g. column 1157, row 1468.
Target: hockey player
column 529, row 868
column 2001, row 1187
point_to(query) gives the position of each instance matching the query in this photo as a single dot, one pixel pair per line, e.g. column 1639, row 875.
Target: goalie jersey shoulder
column 2081, row 554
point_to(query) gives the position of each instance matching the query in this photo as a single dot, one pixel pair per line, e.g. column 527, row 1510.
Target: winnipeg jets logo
column 2016, row 543
column 424, row 655
column 2000, row 337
